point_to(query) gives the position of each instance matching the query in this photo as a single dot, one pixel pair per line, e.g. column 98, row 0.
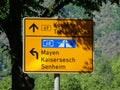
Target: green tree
column 5, row 68
column 5, row 83
column 106, row 20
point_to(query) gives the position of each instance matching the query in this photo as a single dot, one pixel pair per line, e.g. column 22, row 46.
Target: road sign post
column 56, row 81
column 57, row 45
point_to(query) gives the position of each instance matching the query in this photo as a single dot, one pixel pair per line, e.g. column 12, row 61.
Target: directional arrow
column 33, row 27
column 33, row 52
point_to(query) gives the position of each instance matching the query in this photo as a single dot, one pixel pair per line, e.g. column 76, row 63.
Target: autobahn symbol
column 67, row 44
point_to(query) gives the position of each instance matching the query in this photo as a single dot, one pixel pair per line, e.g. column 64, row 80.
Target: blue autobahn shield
column 58, row 43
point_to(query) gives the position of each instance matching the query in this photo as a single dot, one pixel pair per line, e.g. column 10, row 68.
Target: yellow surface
column 80, row 58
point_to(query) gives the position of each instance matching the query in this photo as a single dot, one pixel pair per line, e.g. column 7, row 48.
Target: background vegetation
column 106, row 74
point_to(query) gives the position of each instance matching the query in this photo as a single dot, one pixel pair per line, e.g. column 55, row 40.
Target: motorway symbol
column 34, row 27
column 58, row 43
column 34, row 53
column 65, row 43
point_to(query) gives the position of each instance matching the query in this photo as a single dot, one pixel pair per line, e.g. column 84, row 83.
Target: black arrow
column 34, row 53
column 33, row 26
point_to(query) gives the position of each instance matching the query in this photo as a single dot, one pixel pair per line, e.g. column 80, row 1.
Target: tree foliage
column 4, row 9
column 5, row 83
column 106, row 20
column 107, row 30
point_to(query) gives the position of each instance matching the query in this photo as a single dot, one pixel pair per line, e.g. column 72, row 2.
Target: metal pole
column 57, row 82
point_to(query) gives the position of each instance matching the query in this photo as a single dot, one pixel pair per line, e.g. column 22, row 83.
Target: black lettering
column 50, row 53
column 52, row 66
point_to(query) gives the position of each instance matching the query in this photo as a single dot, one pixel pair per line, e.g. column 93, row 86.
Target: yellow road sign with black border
column 57, row 45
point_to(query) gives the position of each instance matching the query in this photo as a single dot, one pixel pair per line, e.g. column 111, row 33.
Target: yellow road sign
column 58, row 45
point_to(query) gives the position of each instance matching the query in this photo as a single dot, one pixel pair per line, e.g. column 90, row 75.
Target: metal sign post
column 56, row 81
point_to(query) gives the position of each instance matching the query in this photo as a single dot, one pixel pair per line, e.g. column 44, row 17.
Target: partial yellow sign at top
column 58, row 27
